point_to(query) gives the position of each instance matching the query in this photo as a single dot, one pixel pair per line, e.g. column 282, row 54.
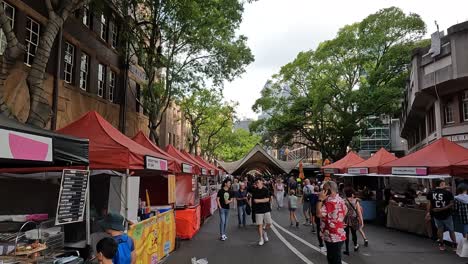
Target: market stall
column 341, row 165
column 435, row 161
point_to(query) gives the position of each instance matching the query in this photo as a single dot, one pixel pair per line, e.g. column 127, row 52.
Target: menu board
column 72, row 197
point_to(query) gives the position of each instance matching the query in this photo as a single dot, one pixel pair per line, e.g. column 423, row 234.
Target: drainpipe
column 55, row 92
column 123, row 105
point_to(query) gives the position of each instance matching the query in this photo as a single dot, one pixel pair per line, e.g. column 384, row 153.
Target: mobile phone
column 328, row 192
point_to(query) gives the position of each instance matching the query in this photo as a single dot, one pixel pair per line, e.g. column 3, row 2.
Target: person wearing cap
column 114, row 225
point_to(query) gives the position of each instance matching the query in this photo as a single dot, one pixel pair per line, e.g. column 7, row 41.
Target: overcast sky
column 279, row 29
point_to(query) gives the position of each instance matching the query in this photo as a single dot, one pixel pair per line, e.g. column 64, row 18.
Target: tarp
column 187, row 222
column 204, row 170
column 258, row 159
column 343, row 164
column 108, row 148
column 66, row 150
column 177, row 154
column 175, row 165
column 374, row 163
column 439, row 157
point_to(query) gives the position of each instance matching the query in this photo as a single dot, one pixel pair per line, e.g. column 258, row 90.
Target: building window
column 10, row 13
column 465, row 105
column 84, row 69
column 86, row 16
column 431, row 120
column 69, row 61
column 115, row 35
column 32, row 40
column 104, row 26
column 101, row 79
column 112, row 82
column 448, row 113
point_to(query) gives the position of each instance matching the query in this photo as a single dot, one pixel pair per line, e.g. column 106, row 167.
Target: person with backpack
column 114, row 225
column 353, row 218
column 307, row 193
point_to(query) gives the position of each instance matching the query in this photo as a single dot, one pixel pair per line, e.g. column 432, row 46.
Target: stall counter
column 187, row 222
column 407, row 219
column 205, row 207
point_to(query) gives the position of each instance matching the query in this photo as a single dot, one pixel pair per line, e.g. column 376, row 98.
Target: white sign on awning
column 358, row 170
column 152, row 163
column 186, row 168
column 21, row 146
column 420, row 171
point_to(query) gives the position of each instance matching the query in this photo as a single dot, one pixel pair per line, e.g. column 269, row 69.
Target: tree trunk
column 153, row 135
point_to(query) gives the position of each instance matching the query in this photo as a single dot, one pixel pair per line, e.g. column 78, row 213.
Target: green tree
column 181, row 44
column 208, row 116
column 324, row 95
column 236, row 144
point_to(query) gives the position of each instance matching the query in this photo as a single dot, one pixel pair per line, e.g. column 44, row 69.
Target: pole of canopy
column 88, row 211
column 127, row 174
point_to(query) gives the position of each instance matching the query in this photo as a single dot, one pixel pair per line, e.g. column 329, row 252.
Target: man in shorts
column 261, row 197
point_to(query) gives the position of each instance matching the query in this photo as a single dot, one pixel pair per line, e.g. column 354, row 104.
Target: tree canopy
column 325, row 94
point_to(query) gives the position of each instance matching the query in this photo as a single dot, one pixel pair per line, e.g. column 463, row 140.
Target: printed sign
column 419, row 171
column 22, row 146
column 154, row 238
column 171, row 182
column 358, row 170
column 213, row 172
column 204, row 171
column 329, row 170
column 186, row 168
column 72, row 197
column 152, row 163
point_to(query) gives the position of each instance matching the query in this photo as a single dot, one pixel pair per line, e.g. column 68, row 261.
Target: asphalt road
column 292, row 245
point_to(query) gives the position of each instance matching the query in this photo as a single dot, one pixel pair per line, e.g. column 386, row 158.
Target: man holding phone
column 331, row 210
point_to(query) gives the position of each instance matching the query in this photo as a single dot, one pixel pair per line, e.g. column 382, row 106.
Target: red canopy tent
column 204, row 169
column 175, row 165
column 341, row 165
column 188, row 166
column 212, row 167
column 373, row 164
column 440, row 157
column 108, row 148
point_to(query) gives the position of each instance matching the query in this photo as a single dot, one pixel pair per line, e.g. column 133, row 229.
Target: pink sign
column 22, row 146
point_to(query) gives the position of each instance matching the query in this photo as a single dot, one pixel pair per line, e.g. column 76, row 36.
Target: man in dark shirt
column 224, row 199
column 440, row 207
column 261, row 197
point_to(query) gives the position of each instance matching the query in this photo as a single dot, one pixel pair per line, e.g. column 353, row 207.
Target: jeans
column 334, row 252
column 223, row 217
column 241, row 214
column 353, row 233
column 319, row 237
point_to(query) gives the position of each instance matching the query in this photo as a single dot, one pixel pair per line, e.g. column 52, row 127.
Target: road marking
column 302, row 240
column 291, row 247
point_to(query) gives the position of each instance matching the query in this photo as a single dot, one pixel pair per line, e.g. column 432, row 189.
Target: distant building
column 243, row 124
column 436, row 96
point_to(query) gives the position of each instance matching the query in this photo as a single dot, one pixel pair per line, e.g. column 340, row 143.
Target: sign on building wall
column 22, row 146
column 152, row 163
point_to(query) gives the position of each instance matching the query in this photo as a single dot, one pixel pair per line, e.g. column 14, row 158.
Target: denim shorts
column 445, row 224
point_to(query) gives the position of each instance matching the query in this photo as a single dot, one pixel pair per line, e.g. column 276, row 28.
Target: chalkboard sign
column 72, row 198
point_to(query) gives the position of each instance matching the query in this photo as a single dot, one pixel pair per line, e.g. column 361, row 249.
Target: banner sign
column 171, row 182
column 329, row 170
column 152, row 163
column 204, row 171
column 358, row 170
column 154, row 238
column 186, row 168
column 72, row 197
column 22, row 146
column 419, row 171
column 213, row 172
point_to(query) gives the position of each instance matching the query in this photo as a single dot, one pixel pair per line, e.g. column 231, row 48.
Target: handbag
column 462, row 248
column 354, row 221
column 248, row 209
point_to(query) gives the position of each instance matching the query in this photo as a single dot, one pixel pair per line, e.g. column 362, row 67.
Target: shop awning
column 204, row 170
column 343, row 164
column 439, row 157
column 175, row 165
column 188, row 166
column 213, row 169
column 258, row 159
column 373, row 164
column 27, row 146
column 110, row 149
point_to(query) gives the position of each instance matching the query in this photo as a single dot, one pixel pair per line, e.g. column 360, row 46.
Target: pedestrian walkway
column 291, row 245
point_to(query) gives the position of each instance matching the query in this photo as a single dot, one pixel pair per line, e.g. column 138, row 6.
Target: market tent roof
column 108, row 148
column 212, row 167
column 378, row 159
column 194, row 168
column 66, row 150
column 204, row 170
column 439, row 157
column 343, row 164
column 174, row 164
column 258, row 159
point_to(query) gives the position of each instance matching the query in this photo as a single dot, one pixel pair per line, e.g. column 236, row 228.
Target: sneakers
column 346, row 253
column 297, row 224
column 323, row 249
column 356, row 248
column 265, row 236
column 366, row 242
column 441, row 246
column 223, row 238
column 261, row 242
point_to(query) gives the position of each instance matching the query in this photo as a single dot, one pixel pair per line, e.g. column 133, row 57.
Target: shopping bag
column 462, row 249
